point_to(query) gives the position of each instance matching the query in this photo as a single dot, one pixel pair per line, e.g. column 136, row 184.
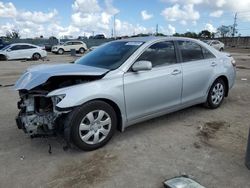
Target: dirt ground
column 208, row 145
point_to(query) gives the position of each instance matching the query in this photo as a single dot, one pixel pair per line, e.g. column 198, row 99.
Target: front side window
column 111, row 55
column 162, row 53
column 16, row 47
column 190, row 51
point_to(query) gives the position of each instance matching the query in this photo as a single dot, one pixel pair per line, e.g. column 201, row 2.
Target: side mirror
column 142, row 66
column 8, row 50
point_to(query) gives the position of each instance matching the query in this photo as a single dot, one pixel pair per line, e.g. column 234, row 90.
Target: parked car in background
column 3, row 43
column 22, row 51
column 121, row 83
column 99, row 36
column 79, row 46
column 216, row 44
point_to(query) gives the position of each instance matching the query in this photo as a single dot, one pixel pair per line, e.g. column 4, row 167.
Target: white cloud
column 7, row 10
column 37, row 17
column 181, row 13
column 210, row 28
column 145, row 15
column 86, row 6
column 110, row 8
column 5, row 28
column 170, row 30
column 125, row 28
column 216, row 14
column 29, row 23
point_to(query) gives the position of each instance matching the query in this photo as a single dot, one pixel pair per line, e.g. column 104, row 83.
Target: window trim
column 175, row 49
column 180, row 54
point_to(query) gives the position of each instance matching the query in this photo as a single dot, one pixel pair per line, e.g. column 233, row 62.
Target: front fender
column 101, row 89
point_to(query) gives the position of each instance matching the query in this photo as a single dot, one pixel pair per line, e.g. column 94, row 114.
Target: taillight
column 233, row 62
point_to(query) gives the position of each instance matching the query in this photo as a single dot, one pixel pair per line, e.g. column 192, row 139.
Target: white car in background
column 216, row 44
column 22, row 51
column 79, row 46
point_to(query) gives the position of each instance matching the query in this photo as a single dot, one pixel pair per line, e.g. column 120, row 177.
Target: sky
column 34, row 18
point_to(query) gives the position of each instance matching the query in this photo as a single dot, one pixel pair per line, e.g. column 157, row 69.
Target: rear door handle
column 213, row 64
column 176, row 71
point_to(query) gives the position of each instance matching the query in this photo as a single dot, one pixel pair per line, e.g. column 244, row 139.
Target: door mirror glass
column 142, row 66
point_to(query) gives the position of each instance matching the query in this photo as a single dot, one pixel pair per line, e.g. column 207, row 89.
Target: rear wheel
column 92, row 125
column 221, row 49
column 36, row 56
column 81, row 50
column 60, row 51
column 216, row 94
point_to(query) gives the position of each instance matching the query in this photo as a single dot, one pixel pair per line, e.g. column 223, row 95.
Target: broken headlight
column 58, row 98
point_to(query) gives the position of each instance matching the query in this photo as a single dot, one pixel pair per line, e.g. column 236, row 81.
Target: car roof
column 22, row 44
column 74, row 41
column 155, row 38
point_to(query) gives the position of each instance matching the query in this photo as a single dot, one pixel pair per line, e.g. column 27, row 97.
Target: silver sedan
column 119, row 84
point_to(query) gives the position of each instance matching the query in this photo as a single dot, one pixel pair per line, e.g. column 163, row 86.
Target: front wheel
column 216, row 94
column 92, row 125
column 60, row 51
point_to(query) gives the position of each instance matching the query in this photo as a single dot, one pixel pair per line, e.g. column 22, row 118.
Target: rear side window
column 76, row 43
column 24, row 47
column 161, row 53
column 190, row 51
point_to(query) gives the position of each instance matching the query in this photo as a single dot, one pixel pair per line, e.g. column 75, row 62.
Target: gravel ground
column 208, row 145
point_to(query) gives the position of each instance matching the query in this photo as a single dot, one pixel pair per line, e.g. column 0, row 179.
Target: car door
column 14, row 52
column 216, row 45
column 155, row 90
column 68, row 46
column 198, row 65
column 27, row 51
column 77, row 45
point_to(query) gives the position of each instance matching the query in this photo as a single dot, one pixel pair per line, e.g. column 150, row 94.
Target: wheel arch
column 225, row 80
column 3, row 57
column 116, row 109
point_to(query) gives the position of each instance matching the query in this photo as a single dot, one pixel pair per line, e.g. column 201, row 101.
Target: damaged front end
column 38, row 115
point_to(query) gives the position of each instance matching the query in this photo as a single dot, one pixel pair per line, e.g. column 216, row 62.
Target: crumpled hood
column 39, row 74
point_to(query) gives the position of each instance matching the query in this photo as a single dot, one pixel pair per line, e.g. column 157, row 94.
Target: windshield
column 206, row 41
column 111, row 55
column 6, row 47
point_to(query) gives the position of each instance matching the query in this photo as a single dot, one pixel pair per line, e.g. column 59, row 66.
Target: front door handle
column 213, row 64
column 176, row 71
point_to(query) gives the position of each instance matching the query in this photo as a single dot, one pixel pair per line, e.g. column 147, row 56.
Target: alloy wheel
column 217, row 93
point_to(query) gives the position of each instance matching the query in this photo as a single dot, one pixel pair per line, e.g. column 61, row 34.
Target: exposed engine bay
column 38, row 115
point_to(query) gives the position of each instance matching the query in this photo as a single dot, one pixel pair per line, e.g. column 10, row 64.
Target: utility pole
column 114, row 32
column 156, row 30
column 235, row 24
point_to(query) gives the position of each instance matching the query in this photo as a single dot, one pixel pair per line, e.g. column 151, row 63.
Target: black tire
column 36, row 56
column 82, row 50
column 221, row 49
column 213, row 103
column 3, row 58
column 78, row 114
column 60, row 51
